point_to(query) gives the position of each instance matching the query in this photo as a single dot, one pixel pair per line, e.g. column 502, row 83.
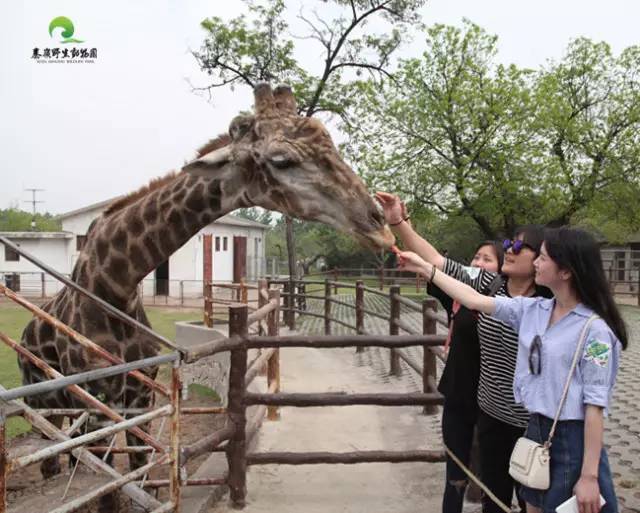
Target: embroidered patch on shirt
column 597, row 352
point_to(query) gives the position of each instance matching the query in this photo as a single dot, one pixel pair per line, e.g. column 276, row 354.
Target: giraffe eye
column 281, row 160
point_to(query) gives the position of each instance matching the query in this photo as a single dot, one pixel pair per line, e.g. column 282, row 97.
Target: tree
column 245, row 51
column 588, row 117
column 255, row 214
column 459, row 135
column 16, row 220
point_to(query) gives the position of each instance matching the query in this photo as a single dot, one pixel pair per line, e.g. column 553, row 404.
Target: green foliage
column 255, row 214
column 459, row 135
column 314, row 241
column 15, row 220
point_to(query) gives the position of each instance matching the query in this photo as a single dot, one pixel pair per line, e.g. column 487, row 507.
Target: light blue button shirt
column 595, row 375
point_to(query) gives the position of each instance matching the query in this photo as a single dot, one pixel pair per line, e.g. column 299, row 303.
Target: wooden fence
column 239, row 430
column 239, row 342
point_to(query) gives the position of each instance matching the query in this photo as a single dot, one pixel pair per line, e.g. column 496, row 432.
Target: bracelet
column 433, row 273
column 401, row 221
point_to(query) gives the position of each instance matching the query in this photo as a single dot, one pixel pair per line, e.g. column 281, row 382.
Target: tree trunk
column 291, row 249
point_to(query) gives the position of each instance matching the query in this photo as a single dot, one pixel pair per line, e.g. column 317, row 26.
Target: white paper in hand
column 571, row 505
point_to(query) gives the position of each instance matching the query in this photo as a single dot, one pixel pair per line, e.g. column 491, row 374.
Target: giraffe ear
column 240, row 126
column 209, row 163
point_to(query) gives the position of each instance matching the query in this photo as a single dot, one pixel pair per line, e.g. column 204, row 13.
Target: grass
column 14, row 318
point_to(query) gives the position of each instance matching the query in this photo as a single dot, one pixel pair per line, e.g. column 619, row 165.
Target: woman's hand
column 394, row 209
column 409, row 261
column 587, row 493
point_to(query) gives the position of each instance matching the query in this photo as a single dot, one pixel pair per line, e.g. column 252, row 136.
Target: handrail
column 85, row 377
column 261, row 312
column 105, row 306
column 407, row 302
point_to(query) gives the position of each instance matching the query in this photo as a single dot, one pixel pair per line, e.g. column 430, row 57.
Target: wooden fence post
column 174, row 473
column 286, row 316
column 335, row 280
column 293, row 290
column 273, row 372
column 236, row 447
column 208, row 304
column 3, row 462
column 429, row 327
column 262, row 285
column 359, row 311
column 244, row 293
column 327, row 307
column 43, row 290
column 394, row 314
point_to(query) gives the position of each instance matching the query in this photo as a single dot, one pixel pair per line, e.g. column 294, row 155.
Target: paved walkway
column 388, row 488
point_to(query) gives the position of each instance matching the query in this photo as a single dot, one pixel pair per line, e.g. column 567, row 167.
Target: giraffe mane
column 132, row 197
column 214, row 144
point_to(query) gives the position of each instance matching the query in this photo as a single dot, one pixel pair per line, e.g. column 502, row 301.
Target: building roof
column 37, row 235
column 101, row 205
column 240, row 221
column 228, row 219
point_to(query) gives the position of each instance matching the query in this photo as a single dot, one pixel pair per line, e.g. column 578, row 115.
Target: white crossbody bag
column 529, row 463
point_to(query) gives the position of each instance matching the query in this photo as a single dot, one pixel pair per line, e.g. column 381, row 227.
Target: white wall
column 186, row 264
column 55, row 252
column 78, row 225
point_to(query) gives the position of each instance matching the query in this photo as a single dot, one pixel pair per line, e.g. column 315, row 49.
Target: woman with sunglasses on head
column 550, row 337
column 459, row 380
column 501, row 421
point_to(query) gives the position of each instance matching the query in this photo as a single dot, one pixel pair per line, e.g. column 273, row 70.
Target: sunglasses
column 535, row 356
column 516, row 246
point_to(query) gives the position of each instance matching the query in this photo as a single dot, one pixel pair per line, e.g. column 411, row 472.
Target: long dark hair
column 577, row 251
column 497, row 248
column 533, row 236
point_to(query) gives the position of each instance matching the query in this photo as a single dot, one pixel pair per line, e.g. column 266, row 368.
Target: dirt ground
column 29, row 493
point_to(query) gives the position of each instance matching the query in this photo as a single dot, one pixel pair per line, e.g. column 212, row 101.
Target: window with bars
column 10, row 255
column 81, row 240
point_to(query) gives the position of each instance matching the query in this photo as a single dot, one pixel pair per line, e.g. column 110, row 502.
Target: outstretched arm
column 464, row 294
column 395, row 215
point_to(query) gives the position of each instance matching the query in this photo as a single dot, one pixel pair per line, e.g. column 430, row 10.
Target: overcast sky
column 88, row 132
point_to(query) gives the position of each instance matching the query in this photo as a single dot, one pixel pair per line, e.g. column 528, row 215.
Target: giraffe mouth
column 378, row 239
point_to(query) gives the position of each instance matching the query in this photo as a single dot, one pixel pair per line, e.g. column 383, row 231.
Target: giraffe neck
column 128, row 244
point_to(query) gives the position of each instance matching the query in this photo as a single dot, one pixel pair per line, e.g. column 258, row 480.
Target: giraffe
column 273, row 159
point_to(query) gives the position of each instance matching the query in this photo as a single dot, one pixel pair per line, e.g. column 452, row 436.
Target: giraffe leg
column 51, row 466
column 137, row 396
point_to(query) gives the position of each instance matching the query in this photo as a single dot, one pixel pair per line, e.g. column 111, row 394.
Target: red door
column 239, row 258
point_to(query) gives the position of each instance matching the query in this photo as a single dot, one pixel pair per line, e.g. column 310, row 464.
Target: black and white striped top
column 498, row 352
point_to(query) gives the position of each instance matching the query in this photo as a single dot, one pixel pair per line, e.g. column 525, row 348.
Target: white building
column 182, row 274
column 52, row 248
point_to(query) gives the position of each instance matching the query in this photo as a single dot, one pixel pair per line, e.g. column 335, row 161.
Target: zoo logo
column 67, row 29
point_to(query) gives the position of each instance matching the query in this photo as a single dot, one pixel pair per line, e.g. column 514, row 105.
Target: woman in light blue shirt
column 549, row 331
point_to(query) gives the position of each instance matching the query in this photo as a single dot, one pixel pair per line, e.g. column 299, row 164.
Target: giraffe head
column 285, row 162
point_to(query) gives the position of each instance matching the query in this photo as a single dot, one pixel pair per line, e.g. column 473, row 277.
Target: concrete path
column 370, row 488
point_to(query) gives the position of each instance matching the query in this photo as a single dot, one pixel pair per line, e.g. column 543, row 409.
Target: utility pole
column 33, row 202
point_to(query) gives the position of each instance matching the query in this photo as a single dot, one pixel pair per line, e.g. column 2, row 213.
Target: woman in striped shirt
column 500, row 421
